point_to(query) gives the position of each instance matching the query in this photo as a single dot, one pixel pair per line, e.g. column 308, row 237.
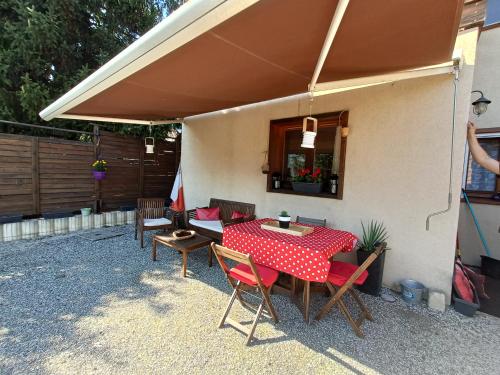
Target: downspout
column 450, row 192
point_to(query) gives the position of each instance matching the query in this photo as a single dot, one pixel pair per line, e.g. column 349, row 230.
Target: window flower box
column 307, row 187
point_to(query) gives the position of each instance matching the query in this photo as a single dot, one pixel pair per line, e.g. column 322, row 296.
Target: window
column 287, row 158
column 480, row 184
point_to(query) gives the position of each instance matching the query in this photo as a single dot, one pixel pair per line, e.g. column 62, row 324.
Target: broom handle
column 481, row 236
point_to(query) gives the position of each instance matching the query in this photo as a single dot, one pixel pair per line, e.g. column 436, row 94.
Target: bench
column 214, row 229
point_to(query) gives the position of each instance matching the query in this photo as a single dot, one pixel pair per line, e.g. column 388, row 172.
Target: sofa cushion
column 209, row 214
column 214, row 225
column 156, row 222
column 238, row 215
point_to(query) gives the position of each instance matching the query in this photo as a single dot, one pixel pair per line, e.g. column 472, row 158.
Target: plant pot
column 373, row 283
column 99, row 175
column 307, row 187
column 284, row 221
column 85, row 211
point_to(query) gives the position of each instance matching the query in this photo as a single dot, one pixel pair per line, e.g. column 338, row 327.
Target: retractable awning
column 216, row 54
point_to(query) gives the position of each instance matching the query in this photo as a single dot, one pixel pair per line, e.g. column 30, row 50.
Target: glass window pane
column 478, row 178
column 295, row 162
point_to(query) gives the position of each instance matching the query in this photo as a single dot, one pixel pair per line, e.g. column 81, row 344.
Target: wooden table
column 183, row 246
column 305, row 258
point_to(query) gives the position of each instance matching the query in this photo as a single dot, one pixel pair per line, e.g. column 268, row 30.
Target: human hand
column 471, row 129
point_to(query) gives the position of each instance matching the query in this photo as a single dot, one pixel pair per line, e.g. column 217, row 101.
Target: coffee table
column 183, row 246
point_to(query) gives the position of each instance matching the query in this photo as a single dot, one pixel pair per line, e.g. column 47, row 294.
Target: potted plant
column 99, row 169
column 307, row 181
column 284, row 219
column 373, row 235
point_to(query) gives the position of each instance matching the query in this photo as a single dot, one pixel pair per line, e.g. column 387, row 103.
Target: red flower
column 316, row 173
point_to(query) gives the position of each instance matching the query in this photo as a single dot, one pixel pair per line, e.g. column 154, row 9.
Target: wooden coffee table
column 184, row 246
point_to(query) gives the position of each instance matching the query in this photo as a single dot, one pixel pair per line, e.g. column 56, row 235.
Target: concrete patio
column 69, row 305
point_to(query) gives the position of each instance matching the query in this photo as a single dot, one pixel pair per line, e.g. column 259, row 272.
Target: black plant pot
column 373, row 283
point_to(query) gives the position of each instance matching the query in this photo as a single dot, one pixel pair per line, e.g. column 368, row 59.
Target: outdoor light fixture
column 150, row 147
column 480, row 105
column 309, row 136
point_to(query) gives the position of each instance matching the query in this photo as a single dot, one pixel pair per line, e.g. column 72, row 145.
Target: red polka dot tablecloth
column 305, row 257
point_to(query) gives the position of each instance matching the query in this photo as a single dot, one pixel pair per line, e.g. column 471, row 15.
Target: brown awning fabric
column 270, row 50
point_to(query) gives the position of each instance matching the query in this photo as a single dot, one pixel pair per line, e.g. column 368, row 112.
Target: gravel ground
column 72, row 306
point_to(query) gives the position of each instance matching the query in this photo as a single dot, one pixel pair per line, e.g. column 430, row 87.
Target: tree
column 48, row 46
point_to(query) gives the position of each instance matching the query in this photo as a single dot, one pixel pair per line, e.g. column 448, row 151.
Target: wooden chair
column 307, row 220
column 341, row 278
column 151, row 215
column 246, row 274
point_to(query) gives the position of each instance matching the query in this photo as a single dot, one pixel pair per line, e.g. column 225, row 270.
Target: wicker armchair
column 151, row 214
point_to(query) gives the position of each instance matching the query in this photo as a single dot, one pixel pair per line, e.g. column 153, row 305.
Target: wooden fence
column 45, row 175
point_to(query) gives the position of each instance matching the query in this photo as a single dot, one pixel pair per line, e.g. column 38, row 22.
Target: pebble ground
column 71, row 306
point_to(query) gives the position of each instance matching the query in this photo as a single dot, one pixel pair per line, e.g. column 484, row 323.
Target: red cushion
column 340, row 272
column 244, row 273
column 238, row 215
column 462, row 285
column 207, row 214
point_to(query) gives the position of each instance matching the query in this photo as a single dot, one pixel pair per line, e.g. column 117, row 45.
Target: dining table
column 306, row 257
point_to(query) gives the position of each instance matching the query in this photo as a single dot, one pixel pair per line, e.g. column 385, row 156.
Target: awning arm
column 325, row 87
column 330, row 36
column 119, row 120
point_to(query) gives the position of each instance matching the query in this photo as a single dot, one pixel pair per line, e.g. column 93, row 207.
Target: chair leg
column 254, row 325
column 325, row 309
column 357, row 329
column 135, row 236
column 230, row 304
column 270, row 307
column 142, row 238
column 364, row 310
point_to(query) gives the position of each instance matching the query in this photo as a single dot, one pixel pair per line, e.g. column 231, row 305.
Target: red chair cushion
column 208, row 214
column 244, row 273
column 340, row 272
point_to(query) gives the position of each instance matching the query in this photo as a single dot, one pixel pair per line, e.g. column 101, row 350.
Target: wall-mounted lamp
column 309, row 136
column 344, row 131
column 480, row 105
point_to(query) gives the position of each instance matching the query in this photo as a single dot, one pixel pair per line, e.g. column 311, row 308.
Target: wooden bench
column 214, row 229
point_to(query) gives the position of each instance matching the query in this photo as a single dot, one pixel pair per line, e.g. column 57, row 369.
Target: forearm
column 481, row 157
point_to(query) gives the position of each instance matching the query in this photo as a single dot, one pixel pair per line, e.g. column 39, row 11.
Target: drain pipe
column 450, row 192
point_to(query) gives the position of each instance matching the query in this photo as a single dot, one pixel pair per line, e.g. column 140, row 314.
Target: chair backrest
column 222, row 252
column 227, row 208
column 151, row 208
column 308, row 220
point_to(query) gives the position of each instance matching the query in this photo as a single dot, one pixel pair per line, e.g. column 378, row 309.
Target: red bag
column 462, row 285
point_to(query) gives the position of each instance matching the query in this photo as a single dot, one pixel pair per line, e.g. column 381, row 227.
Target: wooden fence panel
column 121, row 187
column 16, row 175
column 44, row 175
column 66, row 182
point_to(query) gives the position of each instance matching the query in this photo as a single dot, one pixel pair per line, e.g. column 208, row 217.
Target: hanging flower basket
column 98, row 175
column 99, row 169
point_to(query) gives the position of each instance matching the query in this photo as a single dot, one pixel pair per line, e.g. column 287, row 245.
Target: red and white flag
column 177, row 194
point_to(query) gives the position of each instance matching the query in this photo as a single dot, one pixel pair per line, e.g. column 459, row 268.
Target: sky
column 492, row 12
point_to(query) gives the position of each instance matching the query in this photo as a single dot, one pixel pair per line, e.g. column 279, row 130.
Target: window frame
column 483, row 197
column 276, row 150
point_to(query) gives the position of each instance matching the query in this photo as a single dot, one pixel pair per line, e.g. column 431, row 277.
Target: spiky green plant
column 284, row 214
column 373, row 235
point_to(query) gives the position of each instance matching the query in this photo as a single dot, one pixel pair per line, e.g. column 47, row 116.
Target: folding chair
column 341, row 278
column 246, row 274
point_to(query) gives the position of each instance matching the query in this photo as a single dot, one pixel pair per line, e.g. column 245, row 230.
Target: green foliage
column 373, row 235
column 284, row 214
column 48, row 46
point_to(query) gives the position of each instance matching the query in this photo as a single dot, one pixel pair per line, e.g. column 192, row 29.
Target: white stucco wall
column 486, row 79
column 396, row 166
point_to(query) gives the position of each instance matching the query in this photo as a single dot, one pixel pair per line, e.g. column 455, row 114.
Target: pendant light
column 308, row 136
column 149, row 142
column 480, row 105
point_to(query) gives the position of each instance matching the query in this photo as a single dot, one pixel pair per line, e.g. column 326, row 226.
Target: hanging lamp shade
column 150, row 145
column 309, row 136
